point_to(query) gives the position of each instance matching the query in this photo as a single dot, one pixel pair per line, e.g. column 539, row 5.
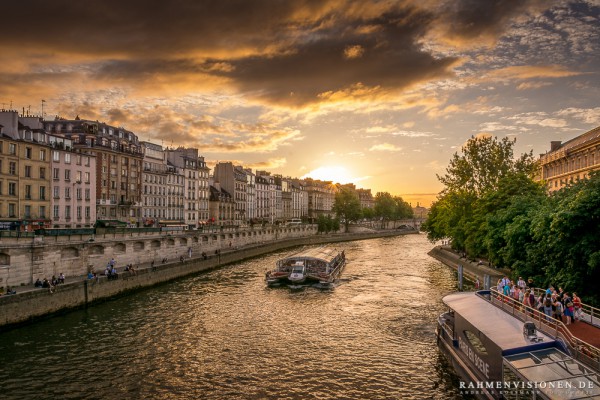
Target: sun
column 335, row 173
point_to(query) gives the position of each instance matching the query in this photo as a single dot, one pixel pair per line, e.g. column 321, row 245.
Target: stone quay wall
column 471, row 270
column 24, row 259
column 29, row 306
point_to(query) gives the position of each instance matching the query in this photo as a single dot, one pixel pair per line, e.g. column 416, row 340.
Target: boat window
column 475, row 342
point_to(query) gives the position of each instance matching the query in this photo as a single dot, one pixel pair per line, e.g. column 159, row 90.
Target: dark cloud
column 378, row 52
column 477, row 19
column 280, row 51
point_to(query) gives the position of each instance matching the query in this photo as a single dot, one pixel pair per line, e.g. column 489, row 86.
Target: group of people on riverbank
column 50, row 284
column 557, row 304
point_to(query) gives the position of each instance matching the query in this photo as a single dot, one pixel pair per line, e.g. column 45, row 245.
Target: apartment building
column 570, row 161
column 118, row 166
column 196, row 187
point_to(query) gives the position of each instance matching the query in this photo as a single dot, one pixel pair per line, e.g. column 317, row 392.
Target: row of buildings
column 79, row 173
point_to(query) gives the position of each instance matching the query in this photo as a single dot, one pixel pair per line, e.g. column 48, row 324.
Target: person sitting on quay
column 113, row 273
column 90, row 275
column 10, row 290
column 61, row 278
column 54, row 280
column 38, row 283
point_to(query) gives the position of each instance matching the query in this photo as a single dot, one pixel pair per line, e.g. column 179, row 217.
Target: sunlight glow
column 335, row 173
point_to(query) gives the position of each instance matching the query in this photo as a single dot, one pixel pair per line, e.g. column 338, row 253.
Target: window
column 56, row 174
column 67, row 212
column 67, row 193
column 28, row 152
column 68, row 158
column 67, row 175
column 42, row 192
column 12, row 168
column 87, row 212
column 78, row 176
column 56, row 212
column 11, row 210
column 56, row 192
column 42, row 173
column 28, row 192
column 12, row 148
column 42, row 155
column 86, row 177
column 55, row 156
column 78, row 193
column 27, row 212
column 78, row 159
column 12, row 189
column 78, row 212
column 42, row 211
column 28, row 171
column 1, row 145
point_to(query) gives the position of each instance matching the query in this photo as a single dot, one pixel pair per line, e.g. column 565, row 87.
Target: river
column 224, row 335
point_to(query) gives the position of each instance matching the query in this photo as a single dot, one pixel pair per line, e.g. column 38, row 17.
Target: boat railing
column 448, row 330
column 581, row 350
column 589, row 314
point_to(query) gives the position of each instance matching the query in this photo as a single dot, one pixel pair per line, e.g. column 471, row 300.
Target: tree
column 485, row 165
column 403, row 209
column 485, row 160
column 347, row 206
column 385, row 207
column 368, row 213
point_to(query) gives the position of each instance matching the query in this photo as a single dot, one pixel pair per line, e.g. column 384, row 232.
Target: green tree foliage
column 368, row 213
column 483, row 163
column 388, row 208
column 347, row 206
column 403, row 209
column 326, row 224
column 490, row 207
column 385, row 207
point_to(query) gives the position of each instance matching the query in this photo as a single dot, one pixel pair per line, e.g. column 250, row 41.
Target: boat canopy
column 556, row 375
column 325, row 254
column 501, row 328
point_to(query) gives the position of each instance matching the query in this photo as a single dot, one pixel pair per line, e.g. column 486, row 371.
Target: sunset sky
column 379, row 93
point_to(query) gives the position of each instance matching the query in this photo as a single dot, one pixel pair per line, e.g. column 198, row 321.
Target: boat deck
column 586, row 332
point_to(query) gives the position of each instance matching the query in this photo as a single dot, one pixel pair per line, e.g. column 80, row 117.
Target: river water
column 224, row 335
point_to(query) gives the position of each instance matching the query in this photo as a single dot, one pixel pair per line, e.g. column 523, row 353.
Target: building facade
column 118, row 165
column 571, row 161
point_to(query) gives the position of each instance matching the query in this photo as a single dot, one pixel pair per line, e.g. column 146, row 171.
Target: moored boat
column 505, row 351
column 316, row 265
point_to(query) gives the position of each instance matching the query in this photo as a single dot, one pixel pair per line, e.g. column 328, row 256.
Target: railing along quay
column 580, row 349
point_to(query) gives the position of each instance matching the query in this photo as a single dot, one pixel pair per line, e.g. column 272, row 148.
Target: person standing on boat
column 558, row 309
column 568, row 308
column 576, row 307
column 548, row 308
column 521, row 283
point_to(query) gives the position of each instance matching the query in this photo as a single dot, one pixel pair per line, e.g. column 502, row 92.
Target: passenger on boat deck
column 558, row 308
column 576, row 307
column 500, row 286
column 568, row 308
column 506, row 290
column 521, row 283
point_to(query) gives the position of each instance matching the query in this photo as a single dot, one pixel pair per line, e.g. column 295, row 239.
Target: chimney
column 555, row 145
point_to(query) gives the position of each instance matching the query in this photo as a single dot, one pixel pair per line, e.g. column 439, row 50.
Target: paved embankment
column 471, row 270
column 31, row 303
